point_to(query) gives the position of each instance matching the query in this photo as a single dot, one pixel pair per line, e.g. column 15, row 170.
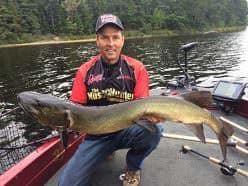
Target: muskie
column 57, row 113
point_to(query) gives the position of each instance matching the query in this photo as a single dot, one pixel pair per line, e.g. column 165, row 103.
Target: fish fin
column 225, row 133
column 223, row 142
column 145, row 124
column 198, row 131
column 64, row 137
column 227, row 129
column 201, row 98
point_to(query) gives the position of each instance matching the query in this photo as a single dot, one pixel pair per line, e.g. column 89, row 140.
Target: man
column 110, row 78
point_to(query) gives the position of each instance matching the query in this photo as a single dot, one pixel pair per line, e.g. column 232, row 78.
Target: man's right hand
column 154, row 119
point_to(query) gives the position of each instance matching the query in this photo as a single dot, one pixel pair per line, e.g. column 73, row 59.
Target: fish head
column 28, row 102
column 46, row 109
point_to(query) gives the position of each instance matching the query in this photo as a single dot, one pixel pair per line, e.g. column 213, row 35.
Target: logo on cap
column 108, row 18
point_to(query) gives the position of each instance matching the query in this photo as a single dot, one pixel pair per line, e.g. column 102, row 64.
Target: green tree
column 77, row 17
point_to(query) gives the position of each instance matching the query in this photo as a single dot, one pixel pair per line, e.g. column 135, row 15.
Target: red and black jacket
column 98, row 83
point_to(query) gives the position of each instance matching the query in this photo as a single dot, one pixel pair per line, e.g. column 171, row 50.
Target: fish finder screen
column 231, row 90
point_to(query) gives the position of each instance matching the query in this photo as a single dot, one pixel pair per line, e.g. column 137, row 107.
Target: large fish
column 57, row 113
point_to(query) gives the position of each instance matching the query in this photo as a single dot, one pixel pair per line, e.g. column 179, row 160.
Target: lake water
column 51, row 68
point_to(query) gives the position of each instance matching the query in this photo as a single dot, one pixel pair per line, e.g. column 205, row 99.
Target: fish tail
column 225, row 133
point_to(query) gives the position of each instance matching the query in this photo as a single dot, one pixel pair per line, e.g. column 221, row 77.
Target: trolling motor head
column 188, row 47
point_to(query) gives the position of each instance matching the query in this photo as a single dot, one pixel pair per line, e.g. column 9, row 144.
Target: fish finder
column 227, row 94
column 229, row 91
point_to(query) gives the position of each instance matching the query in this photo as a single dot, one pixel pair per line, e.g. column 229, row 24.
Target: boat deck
column 166, row 166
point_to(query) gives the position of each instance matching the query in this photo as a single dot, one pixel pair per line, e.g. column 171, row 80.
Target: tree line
column 77, row 17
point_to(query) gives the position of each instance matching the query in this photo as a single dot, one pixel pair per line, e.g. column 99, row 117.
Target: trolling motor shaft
column 225, row 168
column 184, row 81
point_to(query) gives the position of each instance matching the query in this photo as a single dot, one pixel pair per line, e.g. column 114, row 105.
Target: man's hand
column 154, row 119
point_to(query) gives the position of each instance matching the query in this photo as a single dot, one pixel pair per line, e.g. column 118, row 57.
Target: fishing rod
column 226, row 169
column 208, row 140
column 234, row 124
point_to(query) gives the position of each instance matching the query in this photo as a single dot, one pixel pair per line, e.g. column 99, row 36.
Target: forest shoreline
column 54, row 40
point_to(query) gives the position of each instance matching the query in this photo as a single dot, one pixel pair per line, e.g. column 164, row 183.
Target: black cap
column 108, row 19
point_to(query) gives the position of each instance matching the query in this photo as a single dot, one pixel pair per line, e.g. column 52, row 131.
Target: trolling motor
column 184, row 81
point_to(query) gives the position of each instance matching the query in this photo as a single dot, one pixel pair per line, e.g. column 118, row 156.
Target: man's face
column 110, row 42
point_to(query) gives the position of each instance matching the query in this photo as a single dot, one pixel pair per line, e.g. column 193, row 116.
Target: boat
column 167, row 165
column 39, row 165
